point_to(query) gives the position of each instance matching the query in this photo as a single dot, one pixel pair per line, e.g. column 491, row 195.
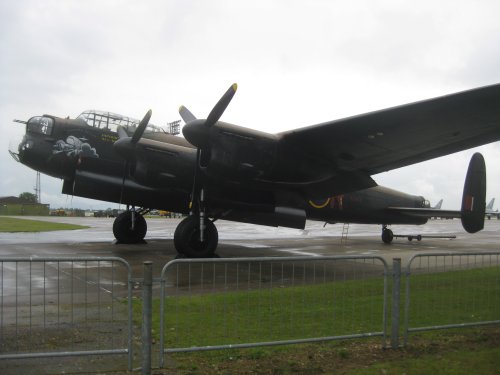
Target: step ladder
column 345, row 231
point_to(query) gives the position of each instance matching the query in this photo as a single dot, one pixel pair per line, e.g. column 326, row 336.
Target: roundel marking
column 320, row 204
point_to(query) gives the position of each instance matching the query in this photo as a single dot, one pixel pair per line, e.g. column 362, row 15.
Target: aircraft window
column 41, row 125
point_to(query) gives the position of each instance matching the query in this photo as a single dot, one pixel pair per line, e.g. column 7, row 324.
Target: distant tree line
column 28, row 197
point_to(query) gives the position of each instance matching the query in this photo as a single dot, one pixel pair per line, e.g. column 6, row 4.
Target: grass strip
column 458, row 296
column 15, row 225
column 329, row 309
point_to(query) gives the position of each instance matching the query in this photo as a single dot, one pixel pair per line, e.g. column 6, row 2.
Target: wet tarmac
column 245, row 240
column 236, row 240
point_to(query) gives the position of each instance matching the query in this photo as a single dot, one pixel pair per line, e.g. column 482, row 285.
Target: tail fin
column 490, row 205
column 438, row 205
column 474, row 197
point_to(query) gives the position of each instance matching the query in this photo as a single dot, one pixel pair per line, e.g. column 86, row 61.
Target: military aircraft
column 438, row 205
column 490, row 211
column 224, row 171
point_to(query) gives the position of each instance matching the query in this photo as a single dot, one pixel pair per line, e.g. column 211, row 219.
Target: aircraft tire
column 187, row 242
column 122, row 228
column 387, row 235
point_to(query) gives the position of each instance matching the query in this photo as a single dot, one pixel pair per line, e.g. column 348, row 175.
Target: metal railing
column 61, row 306
column 462, row 290
column 55, row 306
column 208, row 304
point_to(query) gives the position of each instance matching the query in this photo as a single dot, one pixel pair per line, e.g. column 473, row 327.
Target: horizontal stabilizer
column 427, row 212
column 473, row 200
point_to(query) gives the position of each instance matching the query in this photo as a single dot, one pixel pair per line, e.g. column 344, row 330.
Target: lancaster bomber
column 224, row 171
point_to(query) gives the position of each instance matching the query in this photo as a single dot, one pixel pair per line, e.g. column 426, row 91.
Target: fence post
column 147, row 296
column 396, row 300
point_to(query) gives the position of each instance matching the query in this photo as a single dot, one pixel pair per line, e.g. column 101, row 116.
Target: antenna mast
column 173, row 127
column 38, row 191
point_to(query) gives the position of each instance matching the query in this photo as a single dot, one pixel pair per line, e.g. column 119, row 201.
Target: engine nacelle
column 161, row 164
column 239, row 152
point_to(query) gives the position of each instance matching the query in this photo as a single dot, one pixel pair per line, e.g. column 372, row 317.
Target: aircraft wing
column 396, row 137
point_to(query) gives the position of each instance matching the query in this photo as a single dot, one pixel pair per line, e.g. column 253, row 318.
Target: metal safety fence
column 208, row 304
column 60, row 306
column 461, row 290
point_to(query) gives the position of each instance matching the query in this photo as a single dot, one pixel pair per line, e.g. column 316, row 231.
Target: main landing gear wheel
column 387, row 235
column 124, row 231
column 187, row 238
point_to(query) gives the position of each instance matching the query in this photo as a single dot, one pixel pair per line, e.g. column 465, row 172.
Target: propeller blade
column 221, row 106
column 140, row 129
column 186, row 115
column 121, row 132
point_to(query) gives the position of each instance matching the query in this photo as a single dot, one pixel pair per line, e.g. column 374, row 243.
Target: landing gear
column 129, row 227
column 387, row 235
column 187, row 238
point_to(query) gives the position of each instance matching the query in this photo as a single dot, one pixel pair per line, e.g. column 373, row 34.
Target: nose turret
column 38, row 149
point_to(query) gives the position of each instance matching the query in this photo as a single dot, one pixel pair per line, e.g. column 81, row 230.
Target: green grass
column 329, row 309
column 275, row 314
column 464, row 296
column 14, row 225
column 471, row 351
column 337, row 308
column 456, row 362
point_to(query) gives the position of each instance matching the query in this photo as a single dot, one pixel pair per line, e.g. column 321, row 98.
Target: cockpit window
column 41, row 125
column 111, row 121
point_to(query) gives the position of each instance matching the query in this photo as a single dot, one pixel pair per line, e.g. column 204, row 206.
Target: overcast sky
column 297, row 63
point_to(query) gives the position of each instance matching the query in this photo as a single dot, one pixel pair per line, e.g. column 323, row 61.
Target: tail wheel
column 187, row 238
column 122, row 228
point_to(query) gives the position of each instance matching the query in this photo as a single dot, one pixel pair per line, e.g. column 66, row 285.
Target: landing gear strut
column 387, row 235
column 129, row 227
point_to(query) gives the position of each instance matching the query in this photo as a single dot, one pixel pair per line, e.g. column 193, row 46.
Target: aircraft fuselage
column 82, row 155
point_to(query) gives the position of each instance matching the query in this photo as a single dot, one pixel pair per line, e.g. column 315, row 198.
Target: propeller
column 197, row 132
column 125, row 146
column 186, row 115
column 142, row 126
column 122, row 133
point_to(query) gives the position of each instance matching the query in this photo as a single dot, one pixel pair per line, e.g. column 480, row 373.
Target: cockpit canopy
column 111, row 121
column 40, row 124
